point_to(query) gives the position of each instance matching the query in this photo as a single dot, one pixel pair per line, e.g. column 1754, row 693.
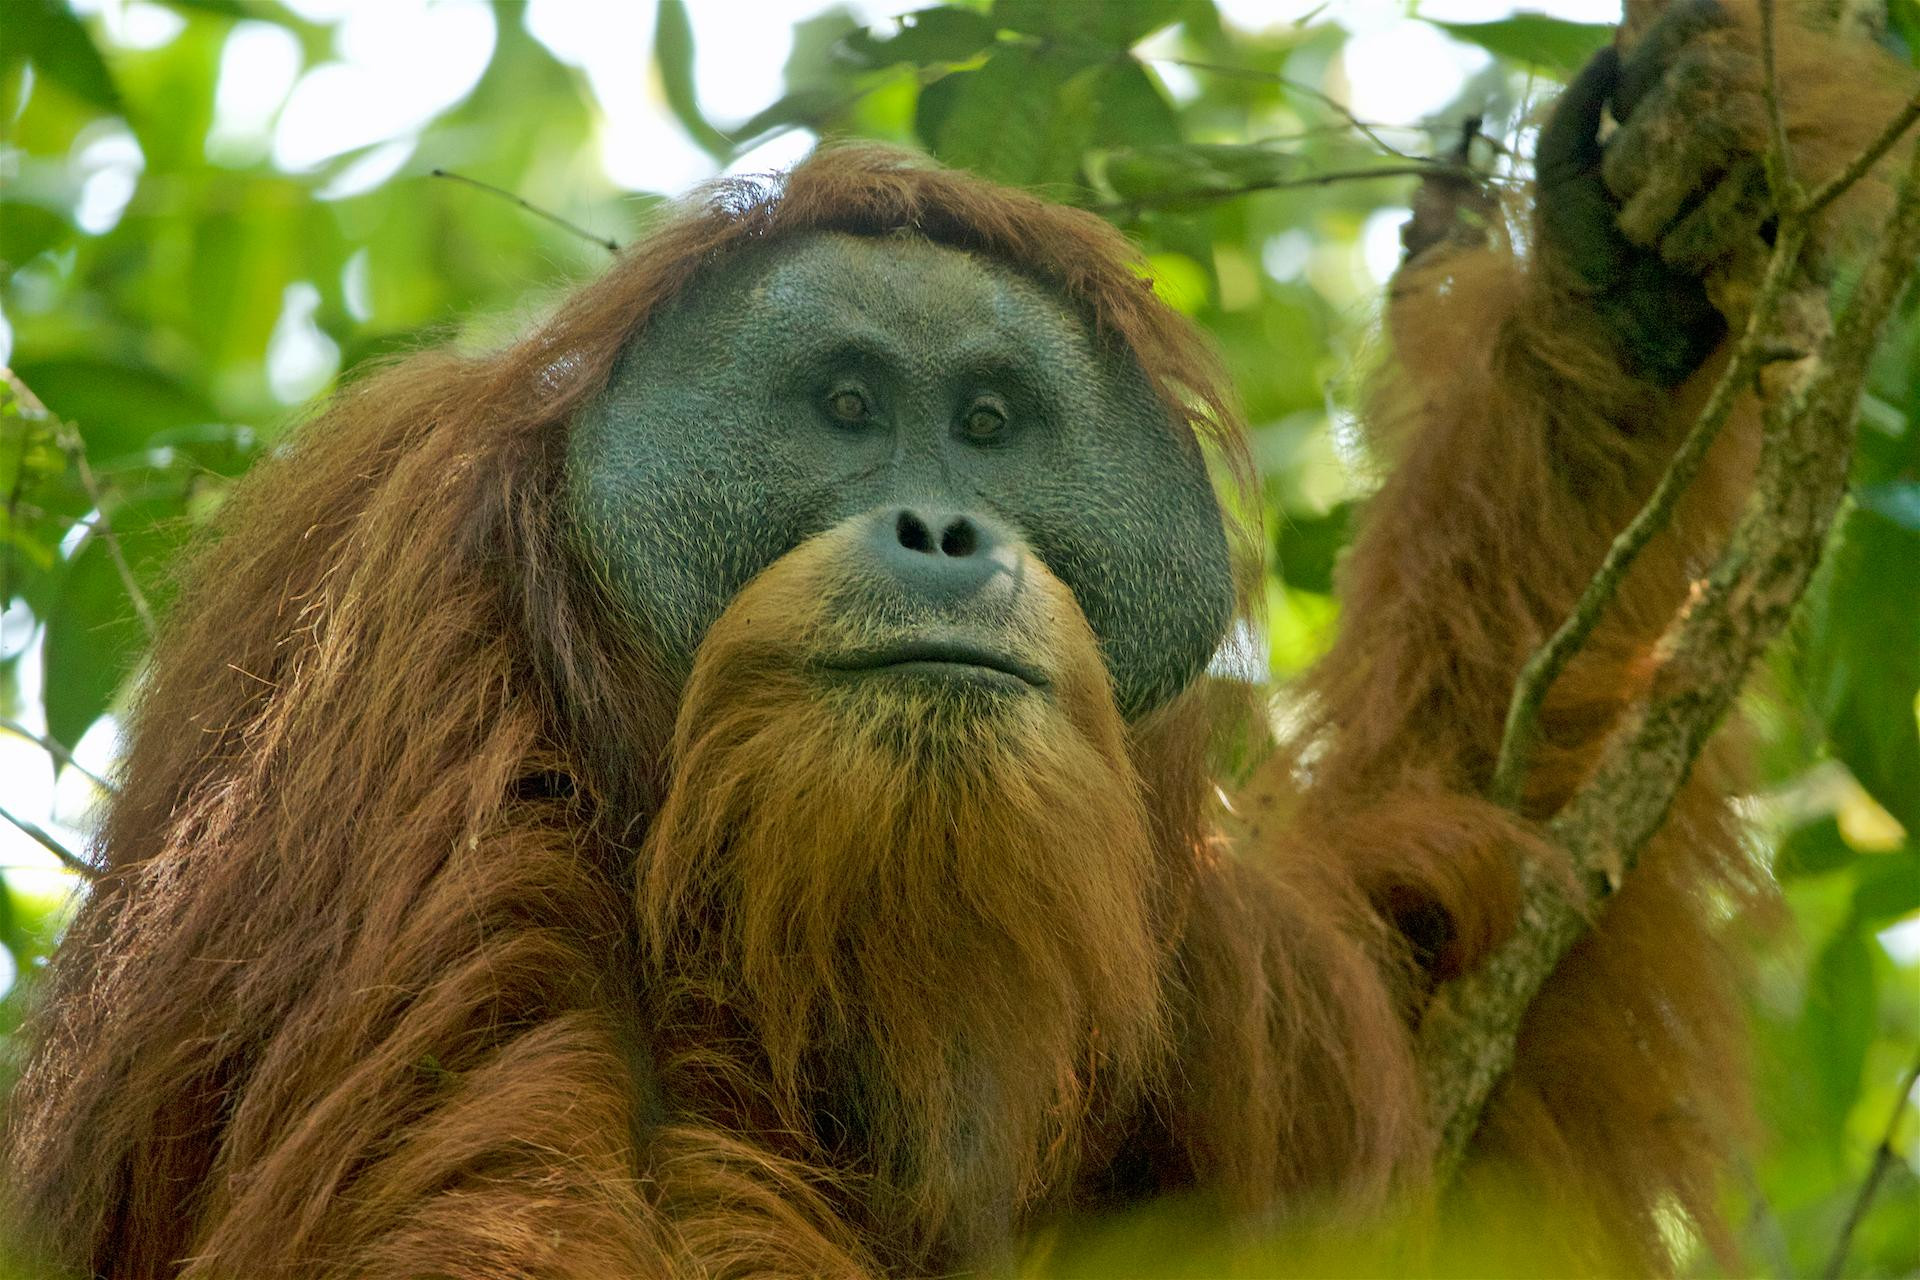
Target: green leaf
column 1890, row 887
column 806, row 108
column 673, row 55
column 224, row 448
column 1813, row 849
column 1306, row 547
column 1025, row 118
column 1115, row 24
column 11, row 935
column 94, row 635
column 47, row 34
column 1864, row 649
column 93, row 639
column 116, row 406
column 1536, row 40
column 41, row 497
column 28, row 230
column 1168, row 172
column 1903, row 16
column 1839, row 1020
column 925, row 37
column 1132, row 109
column 250, row 9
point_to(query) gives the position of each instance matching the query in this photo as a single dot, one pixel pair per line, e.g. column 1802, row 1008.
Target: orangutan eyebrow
column 864, row 352
column 1004, row 371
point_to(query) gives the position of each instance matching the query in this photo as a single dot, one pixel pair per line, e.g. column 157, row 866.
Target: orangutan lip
column 940, row 653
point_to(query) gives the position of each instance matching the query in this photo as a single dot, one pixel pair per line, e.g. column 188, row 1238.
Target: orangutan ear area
column 731, row 784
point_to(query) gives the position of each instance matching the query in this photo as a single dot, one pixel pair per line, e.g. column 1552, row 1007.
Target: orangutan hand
column 1678, row 191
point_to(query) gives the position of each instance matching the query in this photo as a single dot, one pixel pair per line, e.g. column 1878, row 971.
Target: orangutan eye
column 848, row 405
column 985, row 421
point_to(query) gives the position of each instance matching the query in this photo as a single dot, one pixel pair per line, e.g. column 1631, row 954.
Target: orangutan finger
column 1647, row 65
column 1672, row 150
column 1720, row 226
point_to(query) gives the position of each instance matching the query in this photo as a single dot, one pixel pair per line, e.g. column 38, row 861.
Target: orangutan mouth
column 946, row 659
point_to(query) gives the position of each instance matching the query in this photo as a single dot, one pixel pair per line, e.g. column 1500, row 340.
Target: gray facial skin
column 811, row 380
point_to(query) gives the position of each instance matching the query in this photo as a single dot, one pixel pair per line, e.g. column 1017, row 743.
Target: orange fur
column 951, row 903
column 1516, row 450
column 371, row 871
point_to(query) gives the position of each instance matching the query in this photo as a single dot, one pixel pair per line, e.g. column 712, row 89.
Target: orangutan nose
column 940, row 556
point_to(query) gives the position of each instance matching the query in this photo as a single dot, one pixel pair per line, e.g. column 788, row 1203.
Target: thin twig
column 1296, row 86
column 1756, row 348
column 1467, row 1039
column 67, row 437
column 1779, row 158
column 1530, row 691
column 60, row 755
column 14, row 494
column 1883, row 1157
column 1763, row 1223
column 68, row 858
column 1416, row 169
column 1838, row 186
column 605, row 242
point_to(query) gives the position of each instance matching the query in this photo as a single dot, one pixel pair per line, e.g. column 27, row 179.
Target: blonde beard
column 929, row 909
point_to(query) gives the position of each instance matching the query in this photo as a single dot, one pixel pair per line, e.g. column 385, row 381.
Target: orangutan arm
column 1533, row 403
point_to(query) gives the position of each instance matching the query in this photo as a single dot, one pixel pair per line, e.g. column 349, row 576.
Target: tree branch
column 1522, row 730
column 1779, row 158
column 1883, row 1157
column 1415, row 169
column 1291, row 85
column 59, row 754
column 605, row 242
column 68, row 858
column 1838, row 185
column 1467, row 1040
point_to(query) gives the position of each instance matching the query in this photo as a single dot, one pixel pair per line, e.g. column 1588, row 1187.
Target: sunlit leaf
column 1020, row 118
column 673, row 55
column 1536, row 40
column 1116, row 24
column 1181, row 282
column 927, row 36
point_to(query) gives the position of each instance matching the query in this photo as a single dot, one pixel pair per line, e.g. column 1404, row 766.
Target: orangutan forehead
column 901, row 289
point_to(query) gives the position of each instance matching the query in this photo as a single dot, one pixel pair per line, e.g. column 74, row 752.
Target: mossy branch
column 1467, row 1041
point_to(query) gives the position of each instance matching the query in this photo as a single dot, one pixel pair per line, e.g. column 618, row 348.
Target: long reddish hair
column 363, row 988
column 363, row 932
